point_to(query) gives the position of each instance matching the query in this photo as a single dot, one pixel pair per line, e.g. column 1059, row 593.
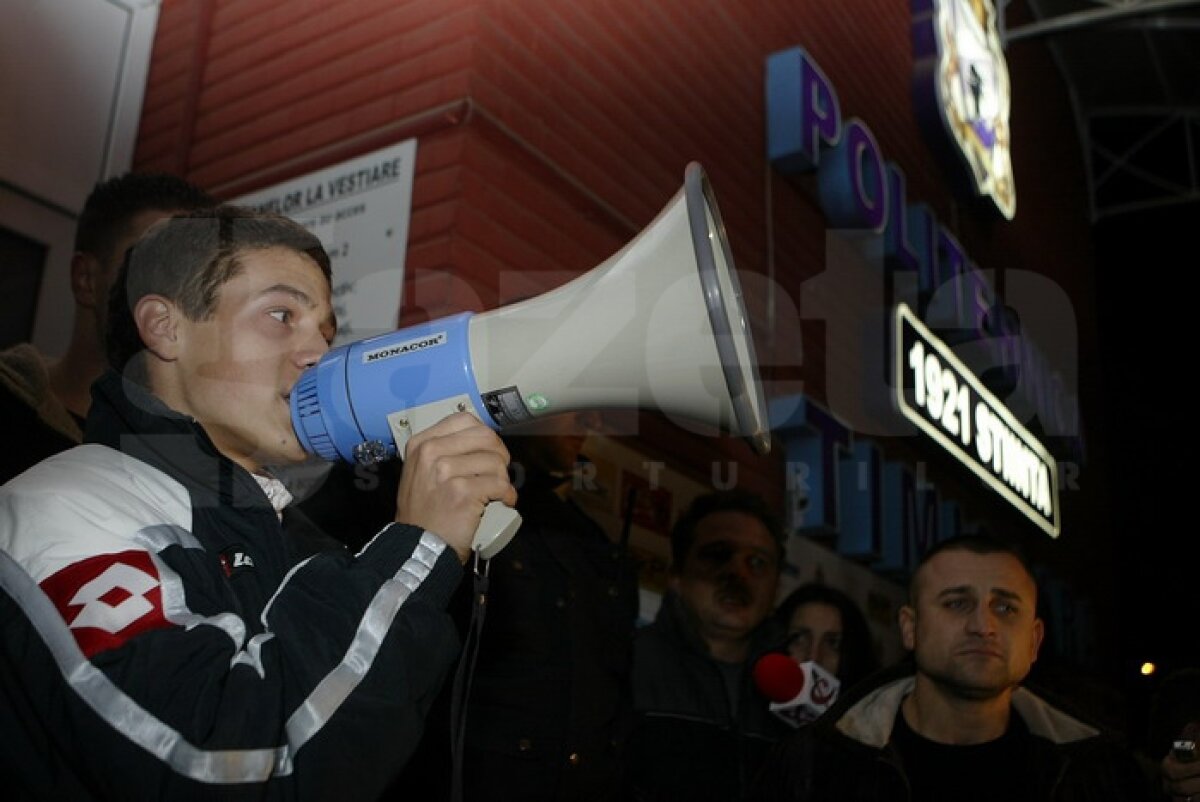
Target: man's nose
column 982, row 620
column 740, row 568
column 311, row 350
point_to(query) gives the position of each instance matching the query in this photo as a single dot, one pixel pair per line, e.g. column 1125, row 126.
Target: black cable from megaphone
column 461, row 693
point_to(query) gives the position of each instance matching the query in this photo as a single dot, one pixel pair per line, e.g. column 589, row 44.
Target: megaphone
column 660, row 325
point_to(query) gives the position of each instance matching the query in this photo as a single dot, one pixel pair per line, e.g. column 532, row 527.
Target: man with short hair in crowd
column 702, row 727
column 550, row 702
column 170, row 632
column 955, row 724
column 44, row 402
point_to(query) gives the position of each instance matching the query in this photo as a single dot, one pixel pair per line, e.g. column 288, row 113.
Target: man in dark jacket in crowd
column 960, row 727
column 702, row 727
column 166, row 635
column 43, row 401
column 550, row 702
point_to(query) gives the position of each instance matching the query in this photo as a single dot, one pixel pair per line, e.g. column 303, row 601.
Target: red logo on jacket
column 108, row 599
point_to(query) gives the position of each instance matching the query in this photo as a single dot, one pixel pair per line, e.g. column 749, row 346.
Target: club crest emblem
column 961, row 91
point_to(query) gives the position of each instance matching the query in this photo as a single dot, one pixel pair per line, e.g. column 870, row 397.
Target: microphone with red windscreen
column 799, row 692
column 779, row 677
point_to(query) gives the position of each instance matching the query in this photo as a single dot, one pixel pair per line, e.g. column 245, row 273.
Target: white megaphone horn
column 660, row 325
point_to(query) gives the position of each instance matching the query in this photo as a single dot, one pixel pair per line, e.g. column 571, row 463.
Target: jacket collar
column 869, row 718
column 131, row 419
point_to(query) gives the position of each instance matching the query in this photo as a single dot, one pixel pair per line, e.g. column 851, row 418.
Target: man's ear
column 157, row 322
column 908, row 621
column 1039, row 632
column 85, row 280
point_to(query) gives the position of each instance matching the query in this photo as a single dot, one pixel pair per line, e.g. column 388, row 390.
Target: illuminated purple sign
column 931, row 271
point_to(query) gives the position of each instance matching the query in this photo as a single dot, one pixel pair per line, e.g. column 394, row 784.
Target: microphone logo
column 799, row 693
column 823, row 691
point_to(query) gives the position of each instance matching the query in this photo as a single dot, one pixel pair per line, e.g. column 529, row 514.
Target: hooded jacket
column 169, row 634
column 847, row 755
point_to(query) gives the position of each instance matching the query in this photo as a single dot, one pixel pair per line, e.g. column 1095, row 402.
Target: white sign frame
column 360, row 209
column 919, row 413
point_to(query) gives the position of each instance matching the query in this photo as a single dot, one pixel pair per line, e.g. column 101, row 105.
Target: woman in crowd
column 824, row 625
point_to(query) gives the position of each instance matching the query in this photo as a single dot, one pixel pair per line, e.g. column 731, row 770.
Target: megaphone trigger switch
column 496, row 528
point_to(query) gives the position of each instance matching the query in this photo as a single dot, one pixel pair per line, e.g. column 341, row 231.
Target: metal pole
column 1084, row 19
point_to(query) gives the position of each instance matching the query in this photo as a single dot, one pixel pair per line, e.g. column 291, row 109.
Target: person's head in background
column 824, row 625
column 116, row 213
column 549, row 446
column 726, row 554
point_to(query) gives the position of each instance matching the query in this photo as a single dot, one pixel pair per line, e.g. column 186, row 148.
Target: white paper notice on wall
column 360, row 209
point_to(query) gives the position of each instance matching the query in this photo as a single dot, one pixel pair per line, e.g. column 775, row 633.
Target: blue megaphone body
column 437, row 372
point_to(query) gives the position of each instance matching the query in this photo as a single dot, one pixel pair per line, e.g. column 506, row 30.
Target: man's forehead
column 735, row 528
column 279, row 270
column 985, row 573
column 268, row 265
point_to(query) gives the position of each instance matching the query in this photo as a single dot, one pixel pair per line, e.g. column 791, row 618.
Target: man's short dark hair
column 684, row 532
column 976, row 544
column 109, row 210
column 188, row 258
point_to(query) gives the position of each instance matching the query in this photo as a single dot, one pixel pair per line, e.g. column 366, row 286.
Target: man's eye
column 1004, row 608
column 956, row 604
column 282, row 315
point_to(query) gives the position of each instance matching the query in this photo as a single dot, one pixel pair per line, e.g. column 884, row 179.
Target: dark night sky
column 1148, row 344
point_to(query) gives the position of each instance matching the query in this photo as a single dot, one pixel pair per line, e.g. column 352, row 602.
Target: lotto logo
column 108, row 599
column 234, row 560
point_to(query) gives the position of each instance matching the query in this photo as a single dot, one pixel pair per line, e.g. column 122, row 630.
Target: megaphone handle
column 496, row 527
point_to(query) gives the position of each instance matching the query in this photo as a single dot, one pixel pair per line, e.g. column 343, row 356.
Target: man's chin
column 738, row 609
column 285, row 451
column 298, row 456
column 740, row 620
column 977, row 686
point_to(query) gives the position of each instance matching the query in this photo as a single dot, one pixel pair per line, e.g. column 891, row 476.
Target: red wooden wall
column 551, row 131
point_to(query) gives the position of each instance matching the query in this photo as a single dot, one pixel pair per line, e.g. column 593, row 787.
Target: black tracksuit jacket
column 168, row 636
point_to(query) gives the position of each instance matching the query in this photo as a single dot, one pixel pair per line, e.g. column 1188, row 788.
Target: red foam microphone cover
column 779, row 677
